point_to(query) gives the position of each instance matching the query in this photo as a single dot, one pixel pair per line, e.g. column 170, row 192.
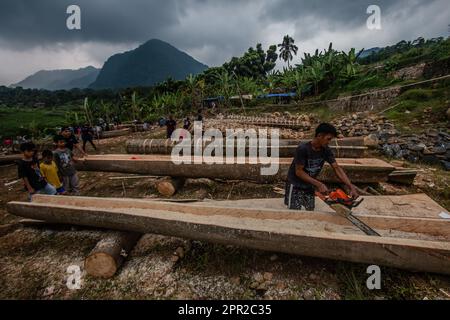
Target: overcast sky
column 34, row 36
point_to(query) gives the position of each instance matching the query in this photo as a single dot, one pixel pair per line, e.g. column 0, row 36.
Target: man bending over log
column 308, row 163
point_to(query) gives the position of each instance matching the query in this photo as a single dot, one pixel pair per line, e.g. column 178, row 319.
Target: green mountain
column 149, row 64
column 60, row 79
column 368, row 52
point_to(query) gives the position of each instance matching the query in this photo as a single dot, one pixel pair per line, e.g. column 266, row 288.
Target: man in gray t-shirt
column 308, row 162
column 65, row 163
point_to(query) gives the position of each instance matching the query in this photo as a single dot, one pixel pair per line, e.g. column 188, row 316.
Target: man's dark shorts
column 299, row 199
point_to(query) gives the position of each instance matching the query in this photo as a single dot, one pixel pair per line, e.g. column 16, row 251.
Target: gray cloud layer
column 33, row 34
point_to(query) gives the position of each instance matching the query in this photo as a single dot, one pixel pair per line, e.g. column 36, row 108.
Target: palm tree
column 287, row 49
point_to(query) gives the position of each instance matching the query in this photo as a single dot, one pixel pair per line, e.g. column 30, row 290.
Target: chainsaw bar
column 362, row 226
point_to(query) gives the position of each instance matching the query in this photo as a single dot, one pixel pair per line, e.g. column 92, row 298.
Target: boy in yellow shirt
column 50, row 171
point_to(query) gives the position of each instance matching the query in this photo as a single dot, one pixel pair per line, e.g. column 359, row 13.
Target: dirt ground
column 34, row 260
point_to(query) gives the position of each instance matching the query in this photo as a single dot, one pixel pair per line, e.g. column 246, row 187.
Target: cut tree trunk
column 170, row 186
column 268, row 232
column 115, row 133
column 412, row 213
column 109, row 253
column 358, row 170
column 287, row 148
column 10, row 159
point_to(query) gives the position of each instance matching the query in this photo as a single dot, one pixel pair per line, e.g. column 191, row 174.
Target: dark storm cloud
column 28, row 23
column 25, row 23
column 310, row 17
column 33, row 33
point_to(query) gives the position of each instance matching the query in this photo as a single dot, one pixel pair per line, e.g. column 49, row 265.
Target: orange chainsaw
column 339, row 196
column 343, row 204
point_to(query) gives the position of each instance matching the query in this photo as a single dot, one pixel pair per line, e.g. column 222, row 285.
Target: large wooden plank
column 358, row 170
column 286, row 235
column 388, row 224
column 115, row 133
column 10, row 159
column 413, row 205
column 286, row 148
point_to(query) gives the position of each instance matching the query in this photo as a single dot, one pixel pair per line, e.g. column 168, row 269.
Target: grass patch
column 26, row 121
column 412, row 104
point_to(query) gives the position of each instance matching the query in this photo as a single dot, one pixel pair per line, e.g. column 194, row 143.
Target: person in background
column 64, row 160
column 28, row 170
column 49, row 171
column 199, row 116
column 171, row 126
column 71, row 141
column 186, row 123
column 8, row 143
column 98, row 131
column 87, row 135
column 200, row 119
column 162, row 122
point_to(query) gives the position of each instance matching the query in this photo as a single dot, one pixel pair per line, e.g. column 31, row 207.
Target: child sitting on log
column 29, row 171
column 49, row 170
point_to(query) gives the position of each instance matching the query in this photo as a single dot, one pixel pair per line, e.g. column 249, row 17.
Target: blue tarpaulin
column 213, row 99
column 278, row 95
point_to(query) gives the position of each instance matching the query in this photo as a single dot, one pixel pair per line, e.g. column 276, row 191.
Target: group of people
column 54, row 173
column 86, row 133
column 171, row 124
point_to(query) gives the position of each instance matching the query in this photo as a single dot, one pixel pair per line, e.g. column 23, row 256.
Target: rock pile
column 431, row 147
column 361, row 124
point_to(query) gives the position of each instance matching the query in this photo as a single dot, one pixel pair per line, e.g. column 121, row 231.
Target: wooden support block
column 109, row 254
column 170, row 186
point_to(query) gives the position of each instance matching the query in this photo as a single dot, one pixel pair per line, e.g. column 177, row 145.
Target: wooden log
column 388, row 219
column 115, row 133
column 358, row 170
column 279, row 235
column 287, row 148
column 109, row 254
column 10, row 159
column 170, row 186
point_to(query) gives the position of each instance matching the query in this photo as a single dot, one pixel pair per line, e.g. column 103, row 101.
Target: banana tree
column 135, row 106
column 301, row 81
column 350, row 62
column 106, row 111
column 225, row 82
column 88, row 112
column 192, row 85
column 249, row 86
column 316, row 73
